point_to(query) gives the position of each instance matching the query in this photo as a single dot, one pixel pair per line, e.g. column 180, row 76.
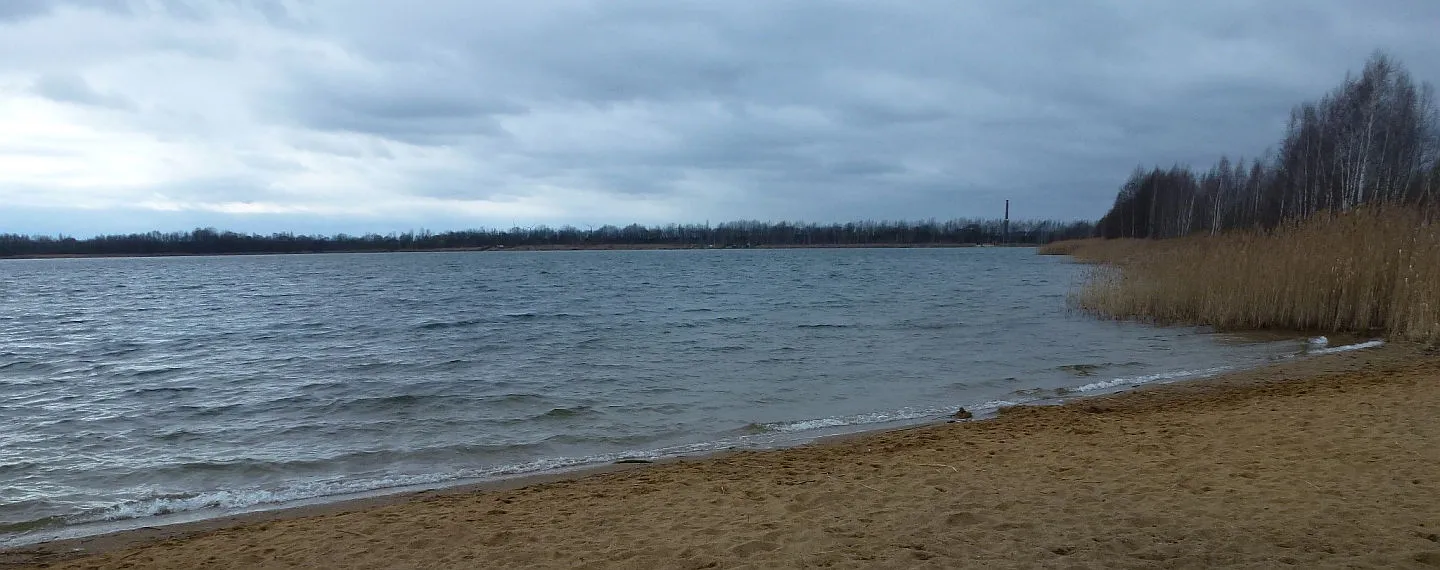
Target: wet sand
column 1331, row 461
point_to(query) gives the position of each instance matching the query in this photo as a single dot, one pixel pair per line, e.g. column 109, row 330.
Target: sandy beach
column 1330, row 461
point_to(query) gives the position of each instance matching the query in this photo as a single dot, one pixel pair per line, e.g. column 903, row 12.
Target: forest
column 1373, row 140
column 208, row 241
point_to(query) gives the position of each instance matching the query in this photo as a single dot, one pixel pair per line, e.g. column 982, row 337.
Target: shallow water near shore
column 183, row 388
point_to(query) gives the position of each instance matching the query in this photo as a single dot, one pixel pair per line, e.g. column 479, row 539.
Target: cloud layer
column 329, row 115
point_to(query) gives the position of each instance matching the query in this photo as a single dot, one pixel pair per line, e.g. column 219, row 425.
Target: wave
column 575, row 412
column 1084, row 369
column 162, row 390
column 1038, row 392
column 250, row 499
column 440, row 325
column 163, row 505
column 242, row 500
column 753, row 428
column 356, row 461
column 26, row 366
column 31, row 525
column 330, row 406
column 373, row 366
column 885, row 417
column 1347, row 348
column 526, row 315
column 928, row 325
column 211, row 410
column 1206, row 372
column 518, row 398
column 11, row 468
column 452, row 364
column 331, row 487
column 1145, row 379
column 609, row 439
column 178, row 435
column 387, row 403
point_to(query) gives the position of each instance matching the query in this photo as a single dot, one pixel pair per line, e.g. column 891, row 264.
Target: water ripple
column 137, row 387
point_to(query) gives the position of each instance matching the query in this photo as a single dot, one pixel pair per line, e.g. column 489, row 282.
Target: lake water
column 141, row 390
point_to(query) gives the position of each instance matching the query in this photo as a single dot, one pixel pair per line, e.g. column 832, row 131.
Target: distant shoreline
column 547, row 247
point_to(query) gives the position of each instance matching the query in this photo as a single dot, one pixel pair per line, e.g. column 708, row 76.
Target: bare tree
column 1373, row 139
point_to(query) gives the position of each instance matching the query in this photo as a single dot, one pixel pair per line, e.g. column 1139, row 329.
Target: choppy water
column 138, row 387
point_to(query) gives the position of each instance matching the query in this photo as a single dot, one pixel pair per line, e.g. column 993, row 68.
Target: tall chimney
column 1005, row 232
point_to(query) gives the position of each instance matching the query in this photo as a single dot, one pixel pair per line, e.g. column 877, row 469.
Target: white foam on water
column 892, row 416
column 213, row 500
column 1318, row 345
column 1137, row 380
column 852, row 420
column 993, row 405
column 1349, row 347
column 243, row 499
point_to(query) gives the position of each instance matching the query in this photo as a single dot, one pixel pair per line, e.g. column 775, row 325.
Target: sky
column 326, row 116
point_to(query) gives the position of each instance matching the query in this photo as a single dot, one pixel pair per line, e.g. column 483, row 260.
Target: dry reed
column 1366, row 272
column 1067, row 247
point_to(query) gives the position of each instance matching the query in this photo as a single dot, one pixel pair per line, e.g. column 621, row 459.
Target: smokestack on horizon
column 1005, row 229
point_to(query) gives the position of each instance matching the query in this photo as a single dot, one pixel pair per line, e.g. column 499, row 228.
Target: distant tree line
column 1374, row 139
column 727, row 235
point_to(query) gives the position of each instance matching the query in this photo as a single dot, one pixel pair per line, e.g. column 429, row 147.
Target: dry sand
column 1325, row 462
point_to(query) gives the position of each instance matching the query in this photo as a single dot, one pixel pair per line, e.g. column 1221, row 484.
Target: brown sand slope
column 1329, row 462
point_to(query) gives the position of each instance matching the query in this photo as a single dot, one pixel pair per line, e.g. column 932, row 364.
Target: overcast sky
column 345, row 115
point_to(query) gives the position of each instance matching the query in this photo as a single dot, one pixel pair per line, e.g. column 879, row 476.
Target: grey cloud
column 222, row 188
column 1049, row 103
column 270, row 164
column 794, row 109
column 274, row 12
column 668, row 55
column 877, row 115
column 864, row 167
column 18, row 10
column 418, row 108
column 70, row 88
column 22, row 9
column 197, row 46
column 347, row 149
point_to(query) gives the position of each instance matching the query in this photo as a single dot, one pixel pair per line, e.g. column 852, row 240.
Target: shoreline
column 608, row 476
column 186, row 522
column 205, row 517
column 122, row 539
column 530, row 248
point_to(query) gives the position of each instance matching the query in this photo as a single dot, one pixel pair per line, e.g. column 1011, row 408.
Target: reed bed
column 1099, row 250
column 1067, row 247
column 1367, row 272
